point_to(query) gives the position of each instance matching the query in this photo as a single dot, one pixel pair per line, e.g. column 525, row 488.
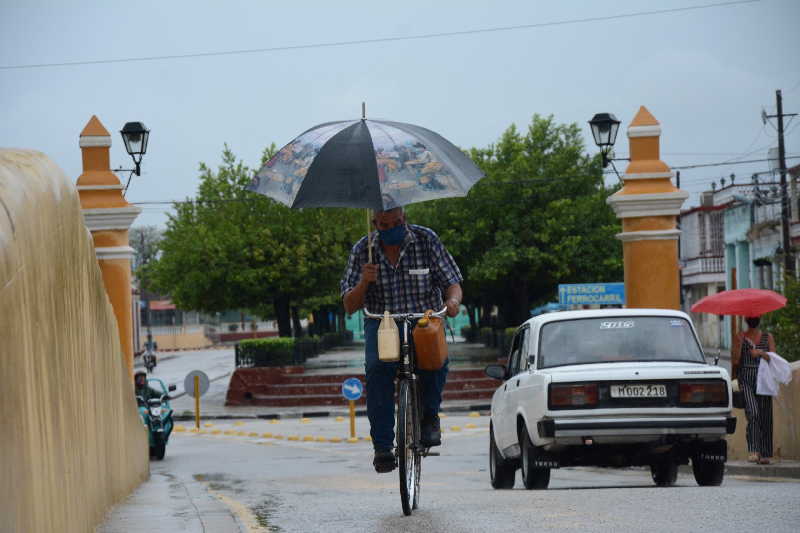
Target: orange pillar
column 108, row 216
column 648, row 204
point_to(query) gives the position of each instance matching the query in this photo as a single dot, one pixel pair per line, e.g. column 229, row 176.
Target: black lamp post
column 604, row 130
column 135, row 136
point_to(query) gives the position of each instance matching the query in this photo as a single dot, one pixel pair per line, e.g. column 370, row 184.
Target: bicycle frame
column 410, row 466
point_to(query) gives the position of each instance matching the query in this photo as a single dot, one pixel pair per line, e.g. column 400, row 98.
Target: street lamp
column 135, row 136
column 604, row 130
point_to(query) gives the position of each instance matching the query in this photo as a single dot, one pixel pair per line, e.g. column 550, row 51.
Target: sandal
column 764, row 461
column 752, row 458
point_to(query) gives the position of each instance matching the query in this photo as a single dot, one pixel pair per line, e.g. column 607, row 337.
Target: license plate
column 639, row 390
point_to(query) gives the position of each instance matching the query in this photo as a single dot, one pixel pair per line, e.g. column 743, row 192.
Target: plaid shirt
column 418, row 281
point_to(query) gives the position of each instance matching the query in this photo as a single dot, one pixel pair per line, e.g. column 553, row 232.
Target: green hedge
column 273, row 351
column 285, row 351
column 469, row 333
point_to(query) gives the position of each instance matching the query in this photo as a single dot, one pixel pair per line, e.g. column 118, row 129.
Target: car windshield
column 618, row 339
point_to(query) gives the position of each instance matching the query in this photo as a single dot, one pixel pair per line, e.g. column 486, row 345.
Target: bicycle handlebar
column 403, row 316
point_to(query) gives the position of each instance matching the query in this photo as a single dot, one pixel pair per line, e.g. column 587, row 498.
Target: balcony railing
column 714, row 264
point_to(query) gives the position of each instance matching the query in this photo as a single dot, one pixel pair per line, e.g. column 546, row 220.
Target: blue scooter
column 156, row 415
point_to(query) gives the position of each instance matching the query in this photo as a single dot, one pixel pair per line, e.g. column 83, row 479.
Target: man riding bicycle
column 412, row 272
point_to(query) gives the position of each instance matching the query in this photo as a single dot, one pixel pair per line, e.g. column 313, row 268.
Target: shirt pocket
column 419, row 278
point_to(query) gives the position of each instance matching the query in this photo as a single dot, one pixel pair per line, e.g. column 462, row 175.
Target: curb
column 483, row 409
column 760, row 471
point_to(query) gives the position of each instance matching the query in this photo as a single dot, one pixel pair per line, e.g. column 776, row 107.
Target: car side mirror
column 496, row 372
column 172, row 388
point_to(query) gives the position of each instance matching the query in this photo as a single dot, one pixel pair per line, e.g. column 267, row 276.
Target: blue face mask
column 393, row 236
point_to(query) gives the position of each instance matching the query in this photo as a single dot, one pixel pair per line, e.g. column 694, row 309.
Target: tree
column 229, row 248
column 537, row 219
column 784, row 324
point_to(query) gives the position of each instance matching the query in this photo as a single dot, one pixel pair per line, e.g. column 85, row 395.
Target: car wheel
column 664, row 472
column 532, row 477
column 501, row 471
column 708, row 473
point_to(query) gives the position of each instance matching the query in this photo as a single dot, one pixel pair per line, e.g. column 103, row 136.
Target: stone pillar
column 108, row 216
column 648, row 205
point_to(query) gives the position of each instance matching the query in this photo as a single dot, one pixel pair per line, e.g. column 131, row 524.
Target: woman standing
column 747, row 349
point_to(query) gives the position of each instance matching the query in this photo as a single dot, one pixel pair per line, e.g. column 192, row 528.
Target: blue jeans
column 380, row 388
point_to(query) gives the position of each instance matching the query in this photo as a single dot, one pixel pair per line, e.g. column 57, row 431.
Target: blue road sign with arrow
column 352, row 389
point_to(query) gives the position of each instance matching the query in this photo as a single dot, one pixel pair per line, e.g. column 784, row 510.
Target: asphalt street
column 287, row 475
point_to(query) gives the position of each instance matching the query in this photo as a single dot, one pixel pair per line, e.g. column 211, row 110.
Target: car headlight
column 703, row 393
column 573, row 395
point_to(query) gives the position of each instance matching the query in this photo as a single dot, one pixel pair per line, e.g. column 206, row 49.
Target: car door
column 505, row 428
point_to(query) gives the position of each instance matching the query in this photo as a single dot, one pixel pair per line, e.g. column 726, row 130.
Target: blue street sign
column 591, row 294
column 352, row 389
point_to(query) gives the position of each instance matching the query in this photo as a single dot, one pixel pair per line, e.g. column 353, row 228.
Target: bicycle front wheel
column 407, row 454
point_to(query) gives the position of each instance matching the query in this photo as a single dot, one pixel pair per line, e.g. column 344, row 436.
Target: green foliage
column 229, row 248
column 275, row 351
column 784, row 324
column 538, row 218
column 469, row 333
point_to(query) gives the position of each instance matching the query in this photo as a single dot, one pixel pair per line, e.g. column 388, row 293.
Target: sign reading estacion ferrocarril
column 591, row 294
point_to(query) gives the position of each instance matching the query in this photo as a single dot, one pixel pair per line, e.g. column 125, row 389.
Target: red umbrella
column 740, row 302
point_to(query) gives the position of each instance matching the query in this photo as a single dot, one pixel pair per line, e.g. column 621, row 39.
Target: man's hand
column 452, row 307
column 369, row 273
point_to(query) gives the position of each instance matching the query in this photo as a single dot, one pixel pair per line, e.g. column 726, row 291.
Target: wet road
column 270, row 484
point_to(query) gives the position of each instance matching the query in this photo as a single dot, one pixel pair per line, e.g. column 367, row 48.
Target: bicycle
column 409, row 451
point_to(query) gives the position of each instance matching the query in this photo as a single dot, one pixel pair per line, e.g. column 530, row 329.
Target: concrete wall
column 182, row 341
column 72, row 443
column 785, row 420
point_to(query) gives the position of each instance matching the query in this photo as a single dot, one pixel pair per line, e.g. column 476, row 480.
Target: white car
column 612, row 388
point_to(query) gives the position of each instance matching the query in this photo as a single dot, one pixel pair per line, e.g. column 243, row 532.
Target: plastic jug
column 430, row 344
column 388, row 340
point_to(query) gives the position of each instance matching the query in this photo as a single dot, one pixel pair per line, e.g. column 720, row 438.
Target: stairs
column 292, row 387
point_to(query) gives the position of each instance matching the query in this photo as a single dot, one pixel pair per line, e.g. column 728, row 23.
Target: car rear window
column 618, row 339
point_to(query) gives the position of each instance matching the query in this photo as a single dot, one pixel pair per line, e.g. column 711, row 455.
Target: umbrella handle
column 369, row 236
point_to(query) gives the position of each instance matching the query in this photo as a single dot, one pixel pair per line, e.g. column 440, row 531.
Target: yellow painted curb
column 201, row 431
column 368, row 438
column 308, row 438
column 238, row 423
column 180, row 429
column 216, row 432
column 274, row 421
column 340, row 419
column 230, row 432
column 305, row 420
column 474, row 414
column 352, row 439
column 455, row 428
column 267, row 435
column 321, row 439
column 292, row 437
column 194, row 430
column 278, row 437
column 208, row 425
column 335, row 439
column 253, row 434
column 470, row 426
column 241, row 434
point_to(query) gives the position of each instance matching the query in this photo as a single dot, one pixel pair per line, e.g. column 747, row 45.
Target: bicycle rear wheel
column 408, row 455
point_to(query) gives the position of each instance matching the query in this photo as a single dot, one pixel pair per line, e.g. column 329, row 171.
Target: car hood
column 634, row 371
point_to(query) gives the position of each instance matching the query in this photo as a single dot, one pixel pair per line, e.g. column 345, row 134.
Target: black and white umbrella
column 375, row 164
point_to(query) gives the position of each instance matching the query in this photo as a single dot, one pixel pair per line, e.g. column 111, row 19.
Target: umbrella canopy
column 374, row 164
column 740, row 302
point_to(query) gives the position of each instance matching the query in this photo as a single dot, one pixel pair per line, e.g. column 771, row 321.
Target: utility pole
column 788, row 256
column 680, row 260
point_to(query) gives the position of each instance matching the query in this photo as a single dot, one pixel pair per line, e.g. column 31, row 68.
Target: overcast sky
column 705, row 74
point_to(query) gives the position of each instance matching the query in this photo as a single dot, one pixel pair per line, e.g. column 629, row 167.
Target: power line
column 378, row 40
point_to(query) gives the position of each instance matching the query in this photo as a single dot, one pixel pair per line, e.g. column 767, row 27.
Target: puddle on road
column 264, row 513
column 218, row 482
